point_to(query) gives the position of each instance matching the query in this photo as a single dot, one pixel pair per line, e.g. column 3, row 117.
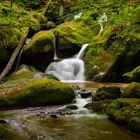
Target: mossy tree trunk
column 14, row 55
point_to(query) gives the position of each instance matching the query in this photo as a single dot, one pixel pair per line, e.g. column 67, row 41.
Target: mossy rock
column 54, row 10
column 104, row 93
column 132, row 91
column 9, row 39
column 134, row 124
column 133, row 75
column 123, row 109
column 40, row 92
column 39, row 52
column 99, row 106
column 71, row 36
column 50, row 25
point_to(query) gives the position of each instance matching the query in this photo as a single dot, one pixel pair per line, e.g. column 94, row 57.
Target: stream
column 39, row 124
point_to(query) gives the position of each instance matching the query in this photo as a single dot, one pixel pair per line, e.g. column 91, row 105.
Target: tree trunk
column 14, row 55
column 11, row 3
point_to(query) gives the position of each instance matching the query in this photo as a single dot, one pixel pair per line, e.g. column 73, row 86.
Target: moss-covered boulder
column 71, row 106
column 116, row 50
column 123, row 109
column 71, row 36
column 54, row 10
column 134, row 124
column 132, row 91
column 9, row 39
column 38, row 92
column 99, row 106
column 133, row 75
column 39, row 52
column 104, row 93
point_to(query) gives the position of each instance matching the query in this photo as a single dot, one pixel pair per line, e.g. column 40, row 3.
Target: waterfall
column 21, row 51
column 81, row 52
column 103, row 19
column 77, row 16
column 68, row 69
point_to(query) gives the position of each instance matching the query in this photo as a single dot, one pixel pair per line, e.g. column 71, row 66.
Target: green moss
column 133, row 75
column 39, row 52
column 41, row 41
column 71, row 36
column 134, row 125
column 106, row 93
column 99, row 106
column 122, row 110
column 18, row 77
column 38, row 93
column 132, row 91
column 71, row 106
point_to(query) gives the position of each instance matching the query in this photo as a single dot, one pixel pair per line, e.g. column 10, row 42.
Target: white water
column 77, row 16
column 103, row 19
column 20, row 54
column 69, row 69
column 81, row 52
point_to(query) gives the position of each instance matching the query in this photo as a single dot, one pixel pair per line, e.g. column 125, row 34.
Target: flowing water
column 40, row 123
column 69, row 69
column 103, row 19
column 37, row 124
column 21, row 52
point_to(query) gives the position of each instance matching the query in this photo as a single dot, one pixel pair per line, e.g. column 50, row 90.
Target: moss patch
column 106, row 93
column 38, row 93
column 132, row 91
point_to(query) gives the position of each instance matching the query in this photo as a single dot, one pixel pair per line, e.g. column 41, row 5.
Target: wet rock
column 2, row 121
column 134, row 125
column 85, row 93
column 53, row 116
column 99, row 106
column 71, row 106
column 103, row 93
column 122, row 110
column 132, row 91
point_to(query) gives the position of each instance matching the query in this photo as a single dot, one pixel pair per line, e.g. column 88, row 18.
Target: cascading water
column 103, row 19
column 77, row 16
column 21, row 51
column 69, row 69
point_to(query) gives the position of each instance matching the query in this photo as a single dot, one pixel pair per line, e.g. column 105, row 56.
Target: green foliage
column 31, row 4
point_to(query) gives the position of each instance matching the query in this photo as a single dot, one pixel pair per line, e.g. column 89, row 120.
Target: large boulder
column 24, row 89
column 103, row 93
column 55, row 10
column 134, row 124
column 9, row 39
column 116, row 49
column 70, row 37
column 39, row 52
column 126, row 111
column 132, row 91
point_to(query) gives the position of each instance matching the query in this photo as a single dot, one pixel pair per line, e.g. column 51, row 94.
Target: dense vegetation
column 112, row 56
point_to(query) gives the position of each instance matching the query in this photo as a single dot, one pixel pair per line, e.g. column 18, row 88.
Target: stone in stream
column 85, row 93
column 3, row 121
column 53, row 116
